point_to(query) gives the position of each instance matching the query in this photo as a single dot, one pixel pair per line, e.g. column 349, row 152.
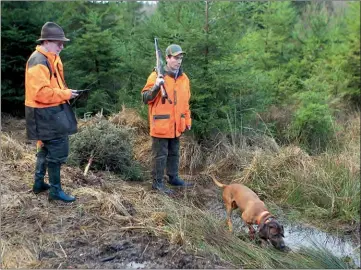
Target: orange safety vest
column 169, row 120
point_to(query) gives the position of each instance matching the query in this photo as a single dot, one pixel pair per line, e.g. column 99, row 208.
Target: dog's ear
column 263, row 231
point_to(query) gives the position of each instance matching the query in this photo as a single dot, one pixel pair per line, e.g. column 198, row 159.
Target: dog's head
column 274, row 232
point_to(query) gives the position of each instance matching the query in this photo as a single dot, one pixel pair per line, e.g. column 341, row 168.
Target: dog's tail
column 216, row 182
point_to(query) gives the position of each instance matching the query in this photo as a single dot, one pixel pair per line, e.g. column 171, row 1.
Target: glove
column 159, row 81
column 73, row 94
column 188, row 127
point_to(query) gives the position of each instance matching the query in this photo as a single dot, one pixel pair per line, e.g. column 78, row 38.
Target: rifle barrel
column 158, row 55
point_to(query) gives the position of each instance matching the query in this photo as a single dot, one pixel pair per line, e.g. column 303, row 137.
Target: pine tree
column 21, row 24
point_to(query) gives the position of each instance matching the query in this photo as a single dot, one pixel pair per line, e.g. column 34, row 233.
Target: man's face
column 174, row 62
column 54, row 46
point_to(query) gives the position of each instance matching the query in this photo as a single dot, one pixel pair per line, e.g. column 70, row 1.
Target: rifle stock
column 160, row 71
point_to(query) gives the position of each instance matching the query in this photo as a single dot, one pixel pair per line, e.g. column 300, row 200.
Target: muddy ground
column 39, row 234
column 132, row 250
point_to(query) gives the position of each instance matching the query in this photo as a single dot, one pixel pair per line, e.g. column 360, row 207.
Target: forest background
column 288, row 69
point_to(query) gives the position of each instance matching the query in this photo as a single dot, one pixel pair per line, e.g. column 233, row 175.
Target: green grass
column 320, row 187
column 201, row 231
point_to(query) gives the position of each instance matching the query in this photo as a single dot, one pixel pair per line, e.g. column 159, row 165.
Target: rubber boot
column 158, row 173
column 173, row 166
column 159, row 186
column 40, row 186
column 179, row 182
column 40, row 171
column 56, row 192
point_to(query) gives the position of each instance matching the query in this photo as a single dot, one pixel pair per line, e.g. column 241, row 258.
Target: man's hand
column 188, row 127
column 159, row 81
column 73, row 94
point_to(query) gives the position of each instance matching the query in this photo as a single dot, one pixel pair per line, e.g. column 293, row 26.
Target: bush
column 312, row 125
column 110, row 146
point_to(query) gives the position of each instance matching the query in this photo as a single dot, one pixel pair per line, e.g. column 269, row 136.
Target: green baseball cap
column 174, row 50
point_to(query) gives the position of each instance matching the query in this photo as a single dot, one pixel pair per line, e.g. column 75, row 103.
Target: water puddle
column 297, row 236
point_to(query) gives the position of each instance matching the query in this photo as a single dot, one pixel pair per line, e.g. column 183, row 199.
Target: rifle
column 160, row 71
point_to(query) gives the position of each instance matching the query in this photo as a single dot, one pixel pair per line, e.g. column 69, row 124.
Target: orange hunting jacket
column 169, row 120
column 44, row 80
column 47, row 111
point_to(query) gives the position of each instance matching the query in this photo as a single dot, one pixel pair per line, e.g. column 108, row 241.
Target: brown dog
column 253, row 211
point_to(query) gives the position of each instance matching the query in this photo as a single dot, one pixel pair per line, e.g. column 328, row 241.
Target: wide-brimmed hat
column 52, row 31
column 174, row 50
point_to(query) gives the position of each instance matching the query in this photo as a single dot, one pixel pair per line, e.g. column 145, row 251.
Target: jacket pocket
column 161, row 124
column 60, row 122
column 71, row 118
column 182, row 126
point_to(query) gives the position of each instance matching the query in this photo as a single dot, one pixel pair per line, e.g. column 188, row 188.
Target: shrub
column 312, row 124
column 111, row 148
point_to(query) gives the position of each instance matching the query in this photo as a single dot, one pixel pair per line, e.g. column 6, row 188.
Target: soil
column 133, row 250
column 22, row 219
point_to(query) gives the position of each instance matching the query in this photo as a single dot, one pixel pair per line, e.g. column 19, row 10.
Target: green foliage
column 351, row 65
column 110, row 146
column 20, row 28
column 97, row 57
column 312, row 123
column 242, row 57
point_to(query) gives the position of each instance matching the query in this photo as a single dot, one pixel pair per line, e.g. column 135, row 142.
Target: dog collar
column 261, row 216
column 268, row 219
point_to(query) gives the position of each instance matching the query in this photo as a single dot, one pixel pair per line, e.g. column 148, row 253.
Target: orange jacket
column 169, row 120
column 47, row 110
column 42, row 87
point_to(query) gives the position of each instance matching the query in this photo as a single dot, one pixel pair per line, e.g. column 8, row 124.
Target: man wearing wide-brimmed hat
column 168, row 120
column 49, row 117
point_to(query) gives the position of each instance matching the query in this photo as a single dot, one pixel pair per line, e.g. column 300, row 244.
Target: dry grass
column 229, row 159
column 323, row 187
column 143, row 149
column 103, row 212
column 348, row 154
column 130, row 117
column 11, row 149
column 39, row 234
column 191, row 154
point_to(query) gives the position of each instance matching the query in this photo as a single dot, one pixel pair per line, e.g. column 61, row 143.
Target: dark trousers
column 165, row 155
column 54, row 153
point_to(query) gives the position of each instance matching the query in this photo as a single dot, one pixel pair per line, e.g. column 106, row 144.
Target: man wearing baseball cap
column 49, row 117
column 168, row 120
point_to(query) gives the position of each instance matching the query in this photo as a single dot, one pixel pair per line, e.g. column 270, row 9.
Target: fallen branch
column 89, row 163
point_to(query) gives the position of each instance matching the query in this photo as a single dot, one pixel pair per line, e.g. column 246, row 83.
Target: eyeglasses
column 59, row 43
